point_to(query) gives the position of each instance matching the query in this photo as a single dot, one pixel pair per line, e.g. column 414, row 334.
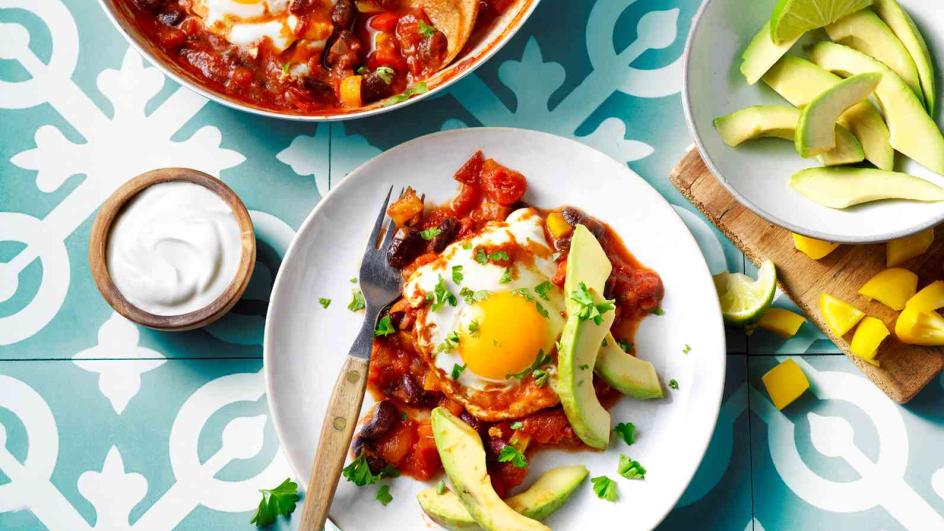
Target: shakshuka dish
column 515, row 330
column 314, row 56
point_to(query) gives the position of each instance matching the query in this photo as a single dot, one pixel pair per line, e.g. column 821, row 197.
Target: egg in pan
column 488, row 318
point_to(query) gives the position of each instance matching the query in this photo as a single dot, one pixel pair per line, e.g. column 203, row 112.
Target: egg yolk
column 506, row 336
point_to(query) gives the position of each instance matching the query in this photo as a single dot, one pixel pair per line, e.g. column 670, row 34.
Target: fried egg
column 248, row 22
column 489, row 308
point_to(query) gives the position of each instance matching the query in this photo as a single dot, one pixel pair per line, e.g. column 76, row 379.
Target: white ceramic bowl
column 305, row 344
column 757, row 172
column 485, row 44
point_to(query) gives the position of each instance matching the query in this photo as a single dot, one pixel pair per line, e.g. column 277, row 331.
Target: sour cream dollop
column 174, row 248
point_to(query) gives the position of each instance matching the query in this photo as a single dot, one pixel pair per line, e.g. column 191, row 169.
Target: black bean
column 382, row 420
column 448, row 230
column 171, row 17
column 474, row 423
column 562, row 245
column 405, row 247
column 572, row 216
column 342, row 16
column 373, row 88
column 300, row 7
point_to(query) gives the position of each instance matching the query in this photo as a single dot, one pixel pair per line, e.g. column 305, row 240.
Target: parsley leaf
column 590, row 310
column 481, row 256
column 542, row 289
column 471, row 297
column 541, row 360
column 385, row 73
column 353, row 280
column 517, row 425
column 430, row 233
column 285, row 68
column 605, row 343
column 540, row 377
column 457, row 274
column 657, row 311
column 673, row 383
column 383, row 495
column 499, row 256
column 441, row 295
column 384, row 327
column 627, row 430
column 687, row 349
column 506, row 276
column 630, row 468
column 449, row 344
column 584, row 366
column 474, row 328
column 541, row 310
column 357, row 301
column 324, row 302
column 426, row 30
column 358, row 472
column 513, row 455
column 278, row 501
column 604, row 488
column 419, row 88
column 625, row 345
column 457, row 371
column 441, row 487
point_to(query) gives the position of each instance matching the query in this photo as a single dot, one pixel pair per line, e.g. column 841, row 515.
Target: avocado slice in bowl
column 816, row 130
column 907, row 32
column 846, row 187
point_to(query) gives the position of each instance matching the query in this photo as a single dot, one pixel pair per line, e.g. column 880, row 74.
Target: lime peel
column 792, row 18
column 743, row 299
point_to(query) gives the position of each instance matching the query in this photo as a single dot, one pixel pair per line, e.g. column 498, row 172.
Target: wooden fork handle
column 336, row 432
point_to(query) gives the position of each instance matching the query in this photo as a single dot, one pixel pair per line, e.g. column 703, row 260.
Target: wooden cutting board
column 905, row 369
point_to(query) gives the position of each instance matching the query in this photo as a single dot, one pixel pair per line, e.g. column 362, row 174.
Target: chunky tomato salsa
column 396, row 436
column 303, row 56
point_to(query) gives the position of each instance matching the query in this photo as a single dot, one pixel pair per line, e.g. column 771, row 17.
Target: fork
column 380, row 284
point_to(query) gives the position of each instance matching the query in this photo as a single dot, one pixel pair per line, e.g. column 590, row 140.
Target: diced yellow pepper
column 839, row 315
column 812, row 247
column 557, row 225
column 782, row 322
column 351, row 91
column 785, row 383
column 868, row 336
column 903, row 249
column 929, row 298
column 917, row 327
column 892, row 287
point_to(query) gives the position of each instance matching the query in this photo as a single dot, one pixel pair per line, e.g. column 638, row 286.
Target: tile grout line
column 750, row 437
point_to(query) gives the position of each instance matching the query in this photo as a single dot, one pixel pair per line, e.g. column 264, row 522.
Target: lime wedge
column 743, row 299
column 792, row 18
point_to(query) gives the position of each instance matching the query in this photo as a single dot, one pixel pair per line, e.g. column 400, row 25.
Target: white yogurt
column 174, row 248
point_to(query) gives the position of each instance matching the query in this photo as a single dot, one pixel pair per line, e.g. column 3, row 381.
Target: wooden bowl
column 98, row 248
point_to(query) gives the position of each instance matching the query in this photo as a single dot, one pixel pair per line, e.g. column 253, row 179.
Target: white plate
column 757, row 172
column 305, row 344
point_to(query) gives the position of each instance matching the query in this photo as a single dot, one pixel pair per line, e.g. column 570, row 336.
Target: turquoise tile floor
column 106, row 425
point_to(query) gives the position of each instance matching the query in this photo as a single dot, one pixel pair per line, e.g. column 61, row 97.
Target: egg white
column 246, row 24
column 524, row 225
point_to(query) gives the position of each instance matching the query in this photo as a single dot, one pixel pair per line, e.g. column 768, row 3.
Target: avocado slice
column 845, row 187
column 761, row 54
column 866, row 32
column 540, row 500
column 816, row 130
column 907, row 32
column 799, row 81
column 463, row 457
column 587, row 267
column 780, row 122
column 913, row 132
column 626, row 373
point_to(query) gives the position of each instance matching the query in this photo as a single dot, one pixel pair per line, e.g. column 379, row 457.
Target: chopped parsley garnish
column 353, row 280
column 630, row 468
column 687, row 349
column 384, row 327
column 275, row 502
column 474, row 328
column 510, row 454
column 285, row 68
column 506, row 276
column 540, row 377
column 419, row 88
column 430, row 233
column 584, row 367
column 604, row 488
column 427, row 30
column 457, row 274
column 441, row 487
column 403, row 415
column 605, row 343
column 324, row 302
column 383, row 495
column 625, row 345
column 541, row 360
column 385, row 73
column 542, row 289
column 441, row 295
column 481, row 256
column 457, row 371
column 471, row 297
column 357, row 301
column 361, row 70
column 517, row 425
column 627, row 431
column 358, row 472
column 590, row 310
column 657, row 311
column 673, row 383
column 541, row 310
column 449, row 344
column 499, row 256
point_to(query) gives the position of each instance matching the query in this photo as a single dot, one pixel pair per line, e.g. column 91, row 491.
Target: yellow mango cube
column 917, row 327
column 812, row 247
column 839, row 315
column 867, row 338
column 557, row 225
column 901, row 250
column 929, row 298
column 782, row 322
column 785, row 383
column 892, row 287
